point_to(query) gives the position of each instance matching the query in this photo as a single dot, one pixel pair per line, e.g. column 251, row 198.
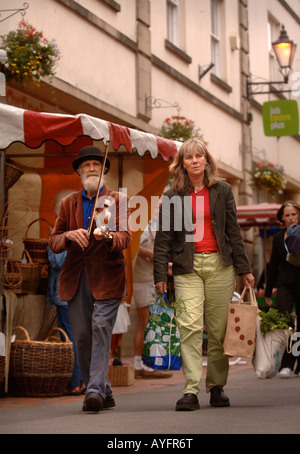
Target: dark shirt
column 280, row 272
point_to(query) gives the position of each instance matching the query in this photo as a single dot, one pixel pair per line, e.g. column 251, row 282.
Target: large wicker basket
column 22, row 278
column 37, row 247
column 40, row 368
column 12, row 174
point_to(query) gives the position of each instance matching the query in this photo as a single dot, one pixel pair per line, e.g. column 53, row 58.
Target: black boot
column 218, row 398
column 188, row 402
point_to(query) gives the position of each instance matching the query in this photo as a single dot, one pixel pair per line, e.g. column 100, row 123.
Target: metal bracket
column 14, row 11
column 272, row 89
column 203, row 70
column 158, row 103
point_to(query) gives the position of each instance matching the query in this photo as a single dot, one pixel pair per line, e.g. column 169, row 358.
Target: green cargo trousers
column 206, row 292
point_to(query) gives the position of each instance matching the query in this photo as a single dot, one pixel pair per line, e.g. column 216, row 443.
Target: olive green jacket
column 174, row 240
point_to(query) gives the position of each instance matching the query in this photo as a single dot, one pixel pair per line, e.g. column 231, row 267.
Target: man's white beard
column 90, row 182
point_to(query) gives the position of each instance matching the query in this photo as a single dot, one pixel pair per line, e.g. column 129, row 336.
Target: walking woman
column 199, row 233
column 286, row 278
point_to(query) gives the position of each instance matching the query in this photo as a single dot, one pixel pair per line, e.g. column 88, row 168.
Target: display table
column 30, row 312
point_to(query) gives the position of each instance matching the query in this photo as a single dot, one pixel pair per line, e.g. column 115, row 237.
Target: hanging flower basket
column 268, row 176
column 179, row 128
column 30, row 56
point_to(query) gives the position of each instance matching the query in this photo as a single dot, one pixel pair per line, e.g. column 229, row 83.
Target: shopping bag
column 123, row 321
column 269, row 351
column 241, row 326
column 161, row 348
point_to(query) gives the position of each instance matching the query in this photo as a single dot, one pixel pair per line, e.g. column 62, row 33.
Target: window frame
column 173, row 22
column 215, row 34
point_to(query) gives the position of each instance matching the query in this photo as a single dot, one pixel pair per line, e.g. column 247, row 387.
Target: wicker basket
column 40, row 368
column 12, row 174
column 37, row 247
column 22, row 278
column 121, row 375
column 5, row 244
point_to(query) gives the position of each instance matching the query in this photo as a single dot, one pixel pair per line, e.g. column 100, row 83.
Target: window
column 173, row 21
column 215, row 36
column 273, row 33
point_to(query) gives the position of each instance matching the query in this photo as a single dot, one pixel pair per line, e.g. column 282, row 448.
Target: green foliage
column 177, row 305
column 268, row 176
column 30, row 55
column 273, row 319
column 179, row 128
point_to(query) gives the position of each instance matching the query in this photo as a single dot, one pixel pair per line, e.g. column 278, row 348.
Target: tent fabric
column 259, row 215
column 34, row 128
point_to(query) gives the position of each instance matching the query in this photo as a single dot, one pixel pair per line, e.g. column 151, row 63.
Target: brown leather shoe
column 92, row 402
column 188, row 402
column 218, row 398
column 156, row 374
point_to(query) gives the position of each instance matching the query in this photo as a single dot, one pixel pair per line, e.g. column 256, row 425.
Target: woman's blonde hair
column 181, row 181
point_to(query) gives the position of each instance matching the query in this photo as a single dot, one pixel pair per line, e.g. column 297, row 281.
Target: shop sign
column 280, row 118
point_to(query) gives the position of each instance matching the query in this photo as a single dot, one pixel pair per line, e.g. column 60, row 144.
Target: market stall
column 55, row 139
column 261, row 215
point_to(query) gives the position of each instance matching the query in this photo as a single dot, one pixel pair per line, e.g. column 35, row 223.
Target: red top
column 205, row 240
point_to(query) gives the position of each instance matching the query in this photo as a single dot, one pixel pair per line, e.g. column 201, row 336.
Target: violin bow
column 98, row 188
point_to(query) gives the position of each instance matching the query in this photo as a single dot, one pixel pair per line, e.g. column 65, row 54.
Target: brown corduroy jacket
column 104, row 263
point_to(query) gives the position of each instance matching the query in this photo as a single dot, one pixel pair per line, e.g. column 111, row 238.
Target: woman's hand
column 269, row 301
column 249, row 280
column 161, row 287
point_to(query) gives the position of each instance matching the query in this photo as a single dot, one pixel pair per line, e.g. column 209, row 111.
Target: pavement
column 146, row 409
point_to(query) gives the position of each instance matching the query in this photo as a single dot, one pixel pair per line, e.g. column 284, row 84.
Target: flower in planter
column 178, row 128
column 268, row 176
column 30, row 55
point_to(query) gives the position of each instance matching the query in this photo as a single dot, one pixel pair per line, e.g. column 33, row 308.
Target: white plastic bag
column 122, row 321
column 269, row 351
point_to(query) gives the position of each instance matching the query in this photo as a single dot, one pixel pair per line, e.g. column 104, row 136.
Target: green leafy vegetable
column 273, row 319
column 177, row 305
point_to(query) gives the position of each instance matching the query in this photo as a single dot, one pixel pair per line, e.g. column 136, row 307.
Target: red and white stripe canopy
column 34, row 128
column 259, row 215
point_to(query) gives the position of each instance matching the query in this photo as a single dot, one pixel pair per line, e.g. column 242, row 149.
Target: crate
column 121, row 375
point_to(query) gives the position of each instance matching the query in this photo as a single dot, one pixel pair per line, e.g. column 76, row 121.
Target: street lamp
column 284, row 50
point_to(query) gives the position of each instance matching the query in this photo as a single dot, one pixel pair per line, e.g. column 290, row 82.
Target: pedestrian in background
column 286, row 278
column 144, row 294
column 56, row 262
